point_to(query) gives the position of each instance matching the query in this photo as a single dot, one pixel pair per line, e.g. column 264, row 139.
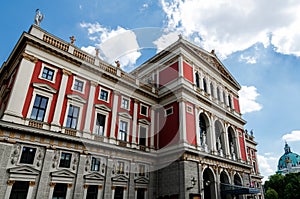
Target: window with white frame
column 169, row 111
column 72, row 117
column 95, row 165
column 100, row 124
column 78, row 85
column 104, row 95
column 39, row 108
column 27, row 156
column 48, row 73
column 144, row 110
column 65, row 160
column 123, row 130
column 125, row 103
column 143, row 136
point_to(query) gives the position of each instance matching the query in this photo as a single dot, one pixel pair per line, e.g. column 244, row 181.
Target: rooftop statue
column 38, row 17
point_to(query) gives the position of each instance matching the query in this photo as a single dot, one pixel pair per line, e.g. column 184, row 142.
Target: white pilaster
column 30, row 189
column 85, row 188
column 20, row 88
column 52, row 185
column 60, row 100
column 152, row 127
column 114, row 117
column 113, row 192
column 68, row 195
column 146, row 193
column 237, row 142
column 125, row 193
column 182, row 121
column 180, row 67
column 88, row 117
column 227, row 145
column 198, row 141
column 134, row 122
column 99, row 196
column 10, row 184
column 135, row 193
column 213, row 137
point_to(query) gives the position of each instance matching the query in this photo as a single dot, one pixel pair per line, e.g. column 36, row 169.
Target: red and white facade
column 91, row 130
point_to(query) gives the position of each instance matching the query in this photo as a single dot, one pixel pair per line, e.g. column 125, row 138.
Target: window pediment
column 94, row 176
column 63, row 174
column 76, row 98
column 44, row 87
column 120, row 178
column 102, row 107
column 126, row 115
column 24, row 170
column 144, row 121
column 141, row 180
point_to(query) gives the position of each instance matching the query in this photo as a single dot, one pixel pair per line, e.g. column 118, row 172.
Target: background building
column 74, row 126
column 289, row 162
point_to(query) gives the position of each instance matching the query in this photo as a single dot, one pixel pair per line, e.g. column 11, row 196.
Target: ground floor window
column 92, row 192
column 140, row 193
column 60, row 191
column 19, row 190
column 119, row 192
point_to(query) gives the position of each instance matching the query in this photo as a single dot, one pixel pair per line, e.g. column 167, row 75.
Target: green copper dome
column 288, row 159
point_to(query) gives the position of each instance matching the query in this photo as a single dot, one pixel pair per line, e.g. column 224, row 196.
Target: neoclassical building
column 74, row 126
column 289, row 162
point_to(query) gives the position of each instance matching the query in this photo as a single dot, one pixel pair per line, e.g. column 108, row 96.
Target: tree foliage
column 283, row 186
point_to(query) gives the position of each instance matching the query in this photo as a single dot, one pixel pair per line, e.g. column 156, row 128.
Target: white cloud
column 267, row 165
column 248, row 95
column 292, row 137
column 248, row 59
column 232, row 25
column 118, row 44
column 165, row 40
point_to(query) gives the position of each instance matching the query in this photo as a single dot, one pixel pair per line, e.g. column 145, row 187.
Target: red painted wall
column 169, row 126
column 168, row 74
column 188, row 72
column 236, row 104
column 242, row 145
column 190, row 125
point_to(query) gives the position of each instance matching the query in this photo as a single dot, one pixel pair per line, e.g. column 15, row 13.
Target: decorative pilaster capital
column 31, row 183
column 10, row 182
column 52, row 184
column 100, row 186
column 30, row 57
column 94, row 83
column 136, row 101
column 69, row 186
column 117, row 93
column 66, row 72
column 113, row 187
column 85, row 186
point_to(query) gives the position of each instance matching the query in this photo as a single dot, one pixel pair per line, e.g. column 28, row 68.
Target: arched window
column 204, row 85
column 197, row 80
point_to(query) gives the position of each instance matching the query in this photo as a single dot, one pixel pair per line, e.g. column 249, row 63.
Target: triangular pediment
column 119, row 178
column 44, row 87
column 124, row 114
column 63, row 174
column 141, row 180
column 94, row 176
column 144, row 121
column 102, row 107
column 76, row 98
column 24, row 170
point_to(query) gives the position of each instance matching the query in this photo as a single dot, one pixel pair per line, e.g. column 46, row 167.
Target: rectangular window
column 78, row 85
column 27, row 156
column 141, row 170
column 100, row 124
column 92, row 192
column 95, row 166
column 140, row 193
column 120, row 169
column 65, row 160
column 39, row 108
column 119, row 192
column 72, row 118
column 123, row 130
column 60, row 191
column 169, row 111
column 125, row 103
column 48, row 73
column 143, row 135
column 104, row 95
column 144, row 110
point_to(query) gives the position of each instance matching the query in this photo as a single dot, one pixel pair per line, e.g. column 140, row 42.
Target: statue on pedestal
column 38, row 17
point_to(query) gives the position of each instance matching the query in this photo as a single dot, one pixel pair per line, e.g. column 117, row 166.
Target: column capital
column 113, row 187
column 136, row 101
column 100, row 186
column 116, row 93
column 32, row 183
column 30, row 57
column 10, row 182
column 69, row 186
column 181, row 100
column 85, row 186
column 52, row 184
column 93, row 83
column 66, row 72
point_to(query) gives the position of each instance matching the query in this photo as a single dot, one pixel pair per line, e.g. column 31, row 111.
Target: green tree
column 271, row 194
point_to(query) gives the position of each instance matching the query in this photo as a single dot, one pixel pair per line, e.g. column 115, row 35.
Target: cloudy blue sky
column 258, row 41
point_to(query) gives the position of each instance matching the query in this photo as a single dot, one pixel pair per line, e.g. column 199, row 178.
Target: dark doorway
column 19, row 190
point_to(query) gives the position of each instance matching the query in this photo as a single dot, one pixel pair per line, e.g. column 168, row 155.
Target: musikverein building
column 74, row 126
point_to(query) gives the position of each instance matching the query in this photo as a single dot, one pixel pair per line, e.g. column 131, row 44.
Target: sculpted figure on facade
column 38, row 17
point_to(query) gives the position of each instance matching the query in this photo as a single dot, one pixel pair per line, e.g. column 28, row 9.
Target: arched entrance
column 224, row 180
column 209, row 184
column 237, row 180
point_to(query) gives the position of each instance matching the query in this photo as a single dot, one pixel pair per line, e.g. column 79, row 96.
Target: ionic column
column 100, row 190
column 135, row 193
column 182, row 121
column 213, row 137
column 20, row 88
column 89, row 110
column 227, row 145
column 125, row 193
column 114, row 116
column 113, row 192
column 134, row 122
column 30, row 189
column 10, row 184
column 237, row 144
column 146, row 193
column 68, row 195
column 55, row 125
column 85, row 188
column 52, row 185
column 180, row 67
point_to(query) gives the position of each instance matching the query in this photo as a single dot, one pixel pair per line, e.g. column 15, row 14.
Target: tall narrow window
column 143, row 135
column 60, row 191
column 125, row 103
column 123, row 130
column 141, row 170
column 120, row 168
column 212, row 90
column 72, row 118
column 95, row 166
column 100, row 124
column 19, row 190
column 140, row 193
column 48, row 73
column 204, row 85
column 229, row 101
column 27, row 156
column 39, row 108
column 224, row 98
column 119, row 191
column 78, row 85
column 197, row 80
column 144, row 110
column 218, row 94
column 104, row 95
column 65, row 160
column 92, row 192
